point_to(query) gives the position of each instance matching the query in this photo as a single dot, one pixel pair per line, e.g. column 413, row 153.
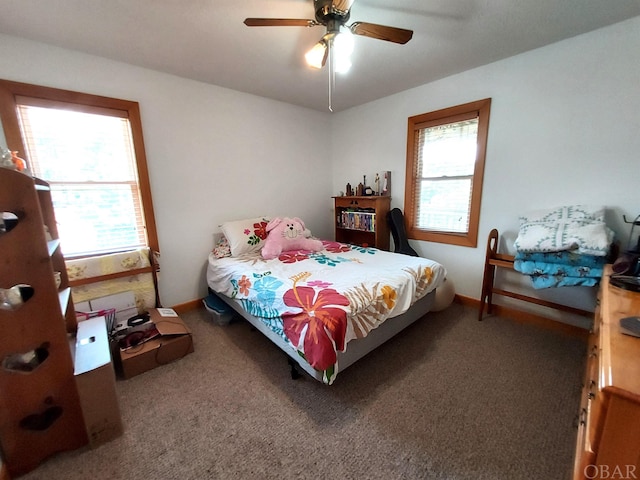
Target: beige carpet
column 448, row 398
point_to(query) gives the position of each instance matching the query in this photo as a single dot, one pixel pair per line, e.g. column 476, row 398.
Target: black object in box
column 173, row 342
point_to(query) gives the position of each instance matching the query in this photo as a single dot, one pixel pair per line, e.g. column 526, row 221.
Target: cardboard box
column 174, row 342
column 96, row 382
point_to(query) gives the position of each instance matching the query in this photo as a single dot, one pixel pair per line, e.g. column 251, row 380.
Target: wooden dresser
column 608, row 443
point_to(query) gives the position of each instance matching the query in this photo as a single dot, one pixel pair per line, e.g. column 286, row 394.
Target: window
column 445, row 165
column 91, row 152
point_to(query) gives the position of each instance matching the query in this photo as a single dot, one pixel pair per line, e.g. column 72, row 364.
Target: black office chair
column 395, row 219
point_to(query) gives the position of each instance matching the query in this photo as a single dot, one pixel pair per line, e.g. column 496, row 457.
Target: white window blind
column 88, row 159
column 446, row 157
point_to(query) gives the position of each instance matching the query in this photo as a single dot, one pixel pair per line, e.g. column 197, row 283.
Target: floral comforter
column 319, row 301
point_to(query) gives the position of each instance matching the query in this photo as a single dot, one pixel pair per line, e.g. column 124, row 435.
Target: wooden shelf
column 372, row 210
column 41, row 408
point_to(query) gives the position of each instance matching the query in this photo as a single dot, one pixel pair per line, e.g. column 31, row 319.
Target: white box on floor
column 96, row 382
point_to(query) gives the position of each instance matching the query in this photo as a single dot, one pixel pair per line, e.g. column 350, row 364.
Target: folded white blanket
column 564, row 214
column 563, row 229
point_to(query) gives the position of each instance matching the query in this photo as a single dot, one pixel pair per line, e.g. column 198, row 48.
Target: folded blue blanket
column 557, row 269
column 560, row 269
column 548, row 281
column 566, row 257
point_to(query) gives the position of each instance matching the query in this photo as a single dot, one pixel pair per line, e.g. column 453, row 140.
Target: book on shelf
column 355, row 220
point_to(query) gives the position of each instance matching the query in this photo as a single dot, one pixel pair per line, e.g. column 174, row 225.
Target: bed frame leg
column 295, row 374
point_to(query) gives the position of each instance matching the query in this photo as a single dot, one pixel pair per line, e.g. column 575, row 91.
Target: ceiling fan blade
column 279, row 22
column 381, row 32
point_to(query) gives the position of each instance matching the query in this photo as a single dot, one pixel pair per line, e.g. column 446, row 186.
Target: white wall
column 213, row 154
column 563, row 130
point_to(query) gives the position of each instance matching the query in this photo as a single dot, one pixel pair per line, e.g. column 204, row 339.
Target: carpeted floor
column 448, row 398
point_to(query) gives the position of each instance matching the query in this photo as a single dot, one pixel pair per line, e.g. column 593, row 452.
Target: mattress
column 318, row 302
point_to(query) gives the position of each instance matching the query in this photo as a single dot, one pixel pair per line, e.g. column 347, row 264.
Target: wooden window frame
column 415, row 123
column 11, row 91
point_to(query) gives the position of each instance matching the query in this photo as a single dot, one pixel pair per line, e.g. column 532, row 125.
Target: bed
column 329, row 308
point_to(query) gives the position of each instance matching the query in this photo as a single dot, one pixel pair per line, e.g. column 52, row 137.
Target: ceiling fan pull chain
column 332, row 73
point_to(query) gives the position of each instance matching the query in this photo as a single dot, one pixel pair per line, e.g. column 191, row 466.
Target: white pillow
column 245, row 236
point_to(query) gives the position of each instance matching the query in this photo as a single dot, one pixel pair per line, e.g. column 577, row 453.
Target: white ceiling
column 206, row 40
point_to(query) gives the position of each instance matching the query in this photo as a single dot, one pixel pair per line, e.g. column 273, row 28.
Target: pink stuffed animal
column 287, row 234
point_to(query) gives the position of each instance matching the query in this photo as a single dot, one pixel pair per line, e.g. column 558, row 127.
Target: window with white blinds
column 90, row 149
column 445, row 164
column 89, row 162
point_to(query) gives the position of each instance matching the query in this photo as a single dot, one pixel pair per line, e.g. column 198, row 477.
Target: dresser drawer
column 585, row 454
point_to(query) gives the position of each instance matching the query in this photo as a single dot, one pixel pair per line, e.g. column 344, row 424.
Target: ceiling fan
column 334, row 14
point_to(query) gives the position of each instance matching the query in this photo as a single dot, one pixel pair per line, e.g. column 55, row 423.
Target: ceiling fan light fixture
column 317, row 56
column 342, row 48
column 342, row 65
